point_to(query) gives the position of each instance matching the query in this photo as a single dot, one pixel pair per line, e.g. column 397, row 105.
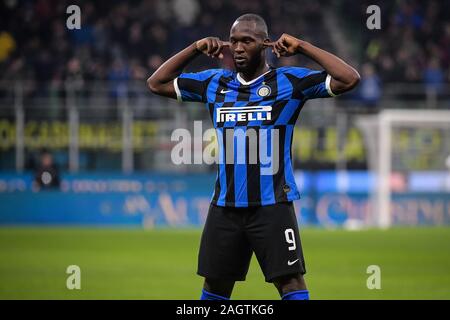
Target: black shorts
column 231, row 235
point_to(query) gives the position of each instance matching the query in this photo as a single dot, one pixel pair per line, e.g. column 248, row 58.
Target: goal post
column 387, row 152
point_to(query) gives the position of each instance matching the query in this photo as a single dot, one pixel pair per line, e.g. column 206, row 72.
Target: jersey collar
column 246, row 83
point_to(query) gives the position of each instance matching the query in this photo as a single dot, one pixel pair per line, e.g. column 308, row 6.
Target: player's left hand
column 285, row 46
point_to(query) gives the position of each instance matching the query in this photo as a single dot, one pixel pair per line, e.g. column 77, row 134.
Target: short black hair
column 260, row 23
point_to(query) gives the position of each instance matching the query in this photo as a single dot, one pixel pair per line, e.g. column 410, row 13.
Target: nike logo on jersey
column 290, row 263
column 223, row 91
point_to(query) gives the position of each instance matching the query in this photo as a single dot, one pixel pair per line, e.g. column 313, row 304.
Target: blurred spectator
column 7, row 45
column 186, row 11
column 153, row 63
column 74, row 75
column 433, row 76
column 370, row 87
column 46, row 176
column 118, row 79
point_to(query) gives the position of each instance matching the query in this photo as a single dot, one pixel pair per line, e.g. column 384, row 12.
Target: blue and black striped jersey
column 254, row 122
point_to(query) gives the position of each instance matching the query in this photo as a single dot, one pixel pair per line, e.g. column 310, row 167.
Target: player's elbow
column 353, row 80
column 155, row 85
column 347, row 81
column 152, row 85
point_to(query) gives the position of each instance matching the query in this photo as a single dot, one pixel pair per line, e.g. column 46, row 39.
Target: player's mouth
column 240, row 60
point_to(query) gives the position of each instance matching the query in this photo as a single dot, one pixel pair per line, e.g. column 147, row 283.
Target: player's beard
column 249, row 66
column 241, row 67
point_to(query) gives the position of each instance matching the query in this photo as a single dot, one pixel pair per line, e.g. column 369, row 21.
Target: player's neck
column 249, row 75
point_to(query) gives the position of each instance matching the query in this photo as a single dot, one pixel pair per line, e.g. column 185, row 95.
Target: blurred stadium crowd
column 413, row 44
column 121, row 40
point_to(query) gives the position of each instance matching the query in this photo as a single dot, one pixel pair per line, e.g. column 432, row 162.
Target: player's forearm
column 333, row 65
column 172, row 68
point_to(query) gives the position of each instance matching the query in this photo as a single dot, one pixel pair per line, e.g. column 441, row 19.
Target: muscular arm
column 343, row 76
column 161, row 81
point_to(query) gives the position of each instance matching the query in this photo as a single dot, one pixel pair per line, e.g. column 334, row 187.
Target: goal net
column 404, row 149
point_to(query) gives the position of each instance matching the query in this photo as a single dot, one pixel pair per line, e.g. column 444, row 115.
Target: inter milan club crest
column 263, row 91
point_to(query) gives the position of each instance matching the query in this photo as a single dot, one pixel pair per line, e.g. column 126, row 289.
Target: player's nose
column 239, row 48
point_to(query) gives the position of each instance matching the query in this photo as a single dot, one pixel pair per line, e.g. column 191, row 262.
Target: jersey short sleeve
column 311, row 84
column 193, row 86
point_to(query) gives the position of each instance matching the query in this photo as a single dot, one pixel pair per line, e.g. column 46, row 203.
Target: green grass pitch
column 161, row 264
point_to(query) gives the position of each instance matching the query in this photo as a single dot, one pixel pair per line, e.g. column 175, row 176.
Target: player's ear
column 266, row 41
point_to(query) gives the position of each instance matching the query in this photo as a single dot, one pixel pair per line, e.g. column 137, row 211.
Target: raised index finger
column 268, row 44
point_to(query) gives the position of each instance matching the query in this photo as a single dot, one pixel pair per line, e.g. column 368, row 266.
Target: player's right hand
column 212, row 46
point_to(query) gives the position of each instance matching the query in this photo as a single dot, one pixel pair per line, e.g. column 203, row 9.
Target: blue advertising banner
column 151, row 200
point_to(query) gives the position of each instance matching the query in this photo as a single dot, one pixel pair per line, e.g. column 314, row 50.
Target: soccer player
column 254, row 109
